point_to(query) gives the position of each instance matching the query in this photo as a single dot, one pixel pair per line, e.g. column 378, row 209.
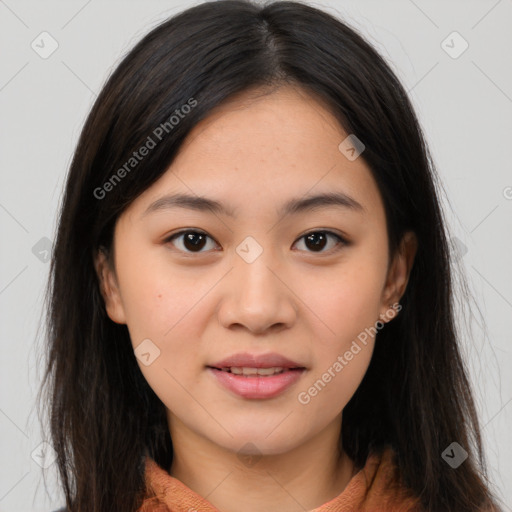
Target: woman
column 251, row 296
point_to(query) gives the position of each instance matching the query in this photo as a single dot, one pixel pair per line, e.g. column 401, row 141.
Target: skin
column 253, row 154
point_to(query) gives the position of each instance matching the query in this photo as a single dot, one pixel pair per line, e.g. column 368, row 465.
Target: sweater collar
column 374, row 487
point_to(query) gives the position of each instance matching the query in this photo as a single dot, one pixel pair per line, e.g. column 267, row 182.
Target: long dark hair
column 103, row 416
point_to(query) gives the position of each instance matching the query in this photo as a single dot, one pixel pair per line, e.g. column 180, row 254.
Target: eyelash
column 341, row 241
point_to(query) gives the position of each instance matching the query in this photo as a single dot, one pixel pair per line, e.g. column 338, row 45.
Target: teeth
column 254, row 371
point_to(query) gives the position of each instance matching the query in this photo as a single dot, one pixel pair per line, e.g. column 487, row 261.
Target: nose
column 257, row 297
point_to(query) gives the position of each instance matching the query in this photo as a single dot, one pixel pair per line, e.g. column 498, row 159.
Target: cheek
column 169, row 319
column 342, row 352
column 346, row 300
column 159, row 302
column 169, row 309
column 347, row 303
column 334, row 381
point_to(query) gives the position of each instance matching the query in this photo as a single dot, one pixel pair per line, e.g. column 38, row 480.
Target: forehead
column 259, row 148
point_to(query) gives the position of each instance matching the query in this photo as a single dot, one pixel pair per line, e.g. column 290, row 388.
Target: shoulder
column 386, row 489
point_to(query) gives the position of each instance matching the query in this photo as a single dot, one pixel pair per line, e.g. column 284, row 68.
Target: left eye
column 318, row 240
column 194, row 241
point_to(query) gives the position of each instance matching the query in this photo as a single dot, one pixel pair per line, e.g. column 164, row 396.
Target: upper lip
column 246, row 360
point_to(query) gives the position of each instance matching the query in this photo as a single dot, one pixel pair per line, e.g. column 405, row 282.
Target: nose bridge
column 256, row 296
column 254, row 279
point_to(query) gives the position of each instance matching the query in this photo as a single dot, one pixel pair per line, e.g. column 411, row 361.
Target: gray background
column 464, row 105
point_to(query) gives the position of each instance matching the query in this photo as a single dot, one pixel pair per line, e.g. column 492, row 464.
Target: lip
column 244, row 359
column 257, row 387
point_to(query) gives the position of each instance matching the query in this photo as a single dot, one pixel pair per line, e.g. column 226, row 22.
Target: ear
column 109, row 288
column 398, row 274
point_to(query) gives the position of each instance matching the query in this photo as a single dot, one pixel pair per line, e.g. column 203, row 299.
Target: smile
column 247, row 372
column 256, row 383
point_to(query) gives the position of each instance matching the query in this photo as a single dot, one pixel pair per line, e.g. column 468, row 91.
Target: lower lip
column 257, row 386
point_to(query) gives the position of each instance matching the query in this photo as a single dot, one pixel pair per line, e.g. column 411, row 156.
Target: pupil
column 315, row 237
column 189, row 239
column 315, row 241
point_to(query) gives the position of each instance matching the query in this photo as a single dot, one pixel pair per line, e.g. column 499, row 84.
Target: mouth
column 256, row 372
column 256, row 383
column 256, row 376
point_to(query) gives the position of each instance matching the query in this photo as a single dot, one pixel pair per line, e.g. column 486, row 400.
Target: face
column 196, row 285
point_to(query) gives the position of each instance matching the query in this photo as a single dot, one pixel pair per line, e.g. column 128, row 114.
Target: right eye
column 192, row 241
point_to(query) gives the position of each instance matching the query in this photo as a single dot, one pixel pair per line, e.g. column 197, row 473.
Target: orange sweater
column 373, row 489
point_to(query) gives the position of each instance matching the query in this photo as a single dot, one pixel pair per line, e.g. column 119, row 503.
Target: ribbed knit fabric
column 375, row 488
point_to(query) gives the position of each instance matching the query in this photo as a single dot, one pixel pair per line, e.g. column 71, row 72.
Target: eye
column 318, row 240
column 193, row 241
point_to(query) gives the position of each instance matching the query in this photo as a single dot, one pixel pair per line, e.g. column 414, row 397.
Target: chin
column 256, row 442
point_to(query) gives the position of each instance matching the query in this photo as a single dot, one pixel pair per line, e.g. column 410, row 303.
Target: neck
column 303, row 478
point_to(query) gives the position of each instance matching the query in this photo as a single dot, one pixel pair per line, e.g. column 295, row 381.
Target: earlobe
column 399, row 272
column 109, row 288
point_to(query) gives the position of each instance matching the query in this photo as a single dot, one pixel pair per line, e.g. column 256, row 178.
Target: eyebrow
column 293, row 206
